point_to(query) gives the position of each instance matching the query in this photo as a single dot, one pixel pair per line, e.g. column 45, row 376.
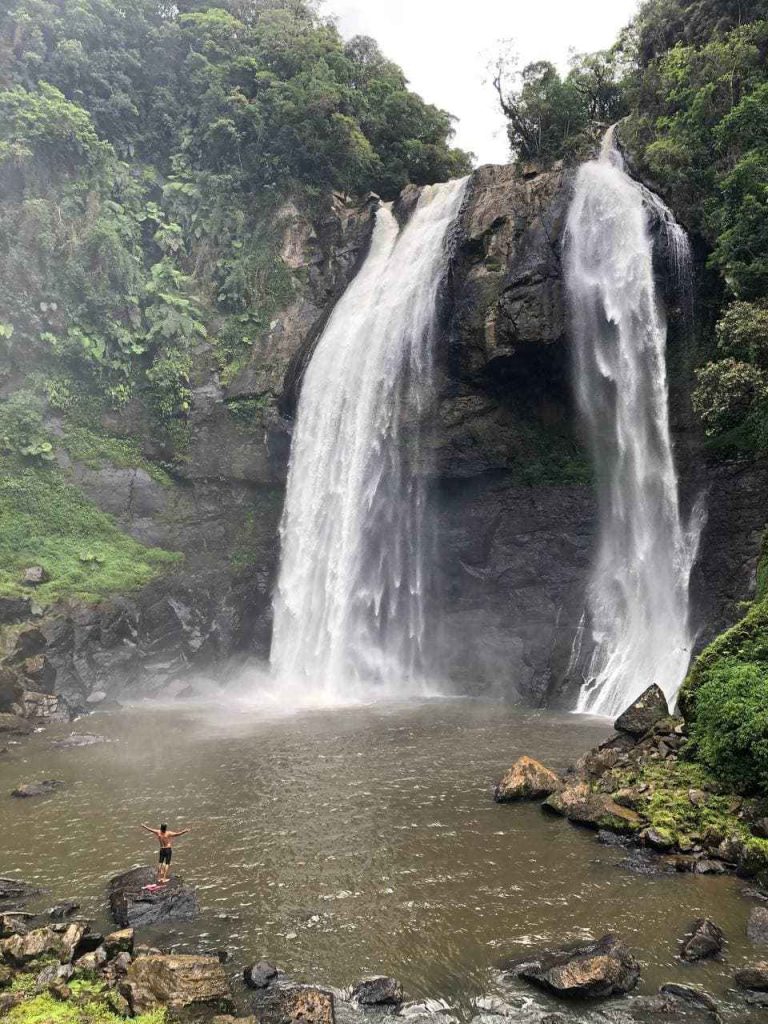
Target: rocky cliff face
column 511, row 497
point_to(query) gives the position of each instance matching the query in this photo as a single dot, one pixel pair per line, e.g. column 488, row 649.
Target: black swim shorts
column 165, row 855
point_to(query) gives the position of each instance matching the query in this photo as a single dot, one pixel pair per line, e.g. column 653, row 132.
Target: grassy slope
column 44, row 520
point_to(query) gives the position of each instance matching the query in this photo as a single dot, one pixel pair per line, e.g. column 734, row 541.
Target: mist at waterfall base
column 349, row 607
column 635, row 630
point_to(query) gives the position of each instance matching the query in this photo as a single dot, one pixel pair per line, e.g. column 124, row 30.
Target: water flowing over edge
column 635, row 630
column 349, row 603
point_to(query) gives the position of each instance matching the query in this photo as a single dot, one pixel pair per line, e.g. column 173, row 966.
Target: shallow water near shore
column 349, row 841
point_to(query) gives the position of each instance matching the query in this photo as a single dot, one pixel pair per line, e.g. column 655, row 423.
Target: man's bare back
column 165, row 837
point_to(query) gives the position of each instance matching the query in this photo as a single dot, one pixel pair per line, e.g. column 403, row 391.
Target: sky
column 444, row 47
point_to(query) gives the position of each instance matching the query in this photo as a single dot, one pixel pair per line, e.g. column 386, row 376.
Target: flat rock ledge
column 593, row 971
column 132, row 906
column 527, row 779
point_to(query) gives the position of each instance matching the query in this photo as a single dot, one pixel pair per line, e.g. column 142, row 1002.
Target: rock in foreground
column 527, row 779
column 754, row 976
column 181, row 983
column 595, row 971
column 132, row 906
column 649, row 708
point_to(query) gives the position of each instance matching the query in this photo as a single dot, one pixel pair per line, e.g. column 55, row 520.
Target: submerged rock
column 78, row 740
column 64, row 909
column 180, row 983
column 133, row 906
column 689, row 994
column 30, row 789
column 703, row 940
column 754, row 976
column 649, row 708
column 378, row 991
column 527, row 779
column 594, row 971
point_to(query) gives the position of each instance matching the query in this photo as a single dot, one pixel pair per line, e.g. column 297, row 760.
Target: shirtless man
column 165, row 838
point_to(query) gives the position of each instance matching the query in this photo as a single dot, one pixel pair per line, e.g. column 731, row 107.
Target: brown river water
column 349, row 841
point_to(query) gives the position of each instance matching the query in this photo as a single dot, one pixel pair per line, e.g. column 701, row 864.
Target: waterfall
column 636, row 625
column 349, row 604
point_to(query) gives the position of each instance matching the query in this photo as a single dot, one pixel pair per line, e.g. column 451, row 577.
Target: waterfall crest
column 349, row 604
column 636, row 625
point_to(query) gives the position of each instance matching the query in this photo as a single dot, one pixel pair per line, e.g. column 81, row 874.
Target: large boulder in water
column 649, row 708
column 378, row 991
column 527, row 779
column 133, row 905
column 703, row 940
column 595, row 971
column 186, row 985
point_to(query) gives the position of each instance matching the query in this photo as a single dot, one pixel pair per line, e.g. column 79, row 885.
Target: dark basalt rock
column 64, row 909
column 378, row 991
column 132, row 906
column 649, row 708
column 689, row 994
column 754, row 976
column 30, row 789
column 260, row 975
column 594, row 971
column 703, row 940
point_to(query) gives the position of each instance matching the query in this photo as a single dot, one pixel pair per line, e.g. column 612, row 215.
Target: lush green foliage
column 44, row 1009
column 551, row 117
column 730, row 728
column 47, row 521
column 724, row 697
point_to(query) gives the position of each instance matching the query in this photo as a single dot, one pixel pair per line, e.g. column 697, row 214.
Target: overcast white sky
column 444, row 47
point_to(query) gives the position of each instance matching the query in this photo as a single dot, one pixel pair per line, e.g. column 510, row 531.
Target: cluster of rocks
column 27, row 688
column 50, row 951
column 606, row 790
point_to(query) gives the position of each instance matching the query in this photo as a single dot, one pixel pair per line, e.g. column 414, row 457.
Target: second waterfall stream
column 349, row 605
column 636, row 628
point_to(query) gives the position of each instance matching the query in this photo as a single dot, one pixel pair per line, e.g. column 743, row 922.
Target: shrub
column 730, row 725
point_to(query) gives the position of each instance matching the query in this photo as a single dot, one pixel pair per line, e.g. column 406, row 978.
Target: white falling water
column 349, row 605
column 636, row 627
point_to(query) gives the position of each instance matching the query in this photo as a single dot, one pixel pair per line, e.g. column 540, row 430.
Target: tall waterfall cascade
column 635, row 630
column 349, row 604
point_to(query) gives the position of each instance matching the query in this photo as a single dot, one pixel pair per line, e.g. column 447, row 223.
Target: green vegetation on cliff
column 47, row 521
column 148, row 155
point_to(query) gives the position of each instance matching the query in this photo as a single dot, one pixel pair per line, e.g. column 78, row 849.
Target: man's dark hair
column 163, row 828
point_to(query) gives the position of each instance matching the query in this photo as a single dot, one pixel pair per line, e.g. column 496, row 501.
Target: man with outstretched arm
column 165, row 838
